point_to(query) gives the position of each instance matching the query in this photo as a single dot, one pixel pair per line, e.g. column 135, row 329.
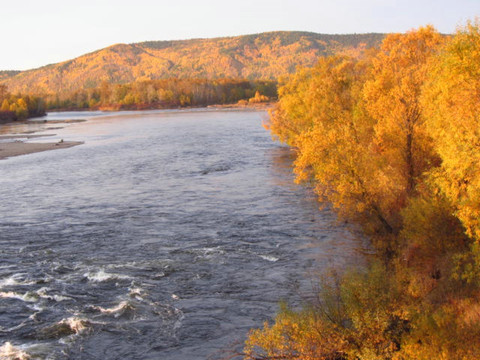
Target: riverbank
column 16, row 137
column 17, row 147
column 245, row 105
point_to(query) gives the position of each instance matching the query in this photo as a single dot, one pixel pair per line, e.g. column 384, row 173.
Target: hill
column 5, row 74
column 260, row 56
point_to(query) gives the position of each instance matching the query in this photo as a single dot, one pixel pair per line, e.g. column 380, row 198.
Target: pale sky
column 41, row 32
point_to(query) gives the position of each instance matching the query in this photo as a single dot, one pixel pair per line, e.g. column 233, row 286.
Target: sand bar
column 21, row 136
column 9, row 149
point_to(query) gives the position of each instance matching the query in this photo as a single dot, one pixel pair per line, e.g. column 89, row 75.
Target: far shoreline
column 248, row 106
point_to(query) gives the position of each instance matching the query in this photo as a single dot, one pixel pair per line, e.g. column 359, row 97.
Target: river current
column 166, row 235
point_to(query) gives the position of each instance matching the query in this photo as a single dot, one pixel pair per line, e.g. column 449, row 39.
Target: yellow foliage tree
column 21, row 109
column 335, row 151
column 290, row 117
column 321, row 113
column 258, row 98
column 452, row 104
column 395, row 138
column 392, row 96
column 302, row 335
column 359, row 318
column 5, row 105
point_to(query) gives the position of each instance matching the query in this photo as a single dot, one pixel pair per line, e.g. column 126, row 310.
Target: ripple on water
column 164, row 236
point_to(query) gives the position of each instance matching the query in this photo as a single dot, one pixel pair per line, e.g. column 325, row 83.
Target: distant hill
column 5, row 74
column 260, row 56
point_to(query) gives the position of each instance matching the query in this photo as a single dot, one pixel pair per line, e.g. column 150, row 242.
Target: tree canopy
column 392, row 140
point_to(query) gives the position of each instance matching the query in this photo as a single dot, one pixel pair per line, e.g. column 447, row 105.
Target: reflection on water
column 22, row 128
column 167, row 235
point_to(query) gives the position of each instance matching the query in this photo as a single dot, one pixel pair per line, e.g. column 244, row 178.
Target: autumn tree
column 3, row 92
column 452, row 104
column 392, row 98
column 358, row 126
column 20, row 108
column 5, row 105
column 359, row 318
column 322, row 114
column 290, row 116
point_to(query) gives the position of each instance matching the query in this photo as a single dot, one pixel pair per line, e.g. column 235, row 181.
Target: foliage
column 363, row 323
column 451, row 99
column 165, row 93
column 391, row 96
column 21, row 106
column 258, row 98
column 392, row 140
column 5, row 74
column 332, row 133
column 358, row 127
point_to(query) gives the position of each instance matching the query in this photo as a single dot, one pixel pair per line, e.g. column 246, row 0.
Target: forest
column 165, row 93
column 392, row 140
column 19, row 107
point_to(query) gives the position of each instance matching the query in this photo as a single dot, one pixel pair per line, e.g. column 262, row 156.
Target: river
column 166, row 235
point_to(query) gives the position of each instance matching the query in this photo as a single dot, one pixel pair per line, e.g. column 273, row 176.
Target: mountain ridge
column 262, row 56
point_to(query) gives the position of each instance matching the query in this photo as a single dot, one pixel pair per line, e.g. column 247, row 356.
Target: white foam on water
column 27, row 297
column 77, row 325
column 136, row 293
column 269, row 258
column 33, row 296
column 59, row 298
column 101, row 276
column 10, row 352
column 43, row 293
column 124, row 309
column 66, row 329
column 7, row 266
column 14, row 280
column 212, row 250
column 116, row 310
column 8, row 281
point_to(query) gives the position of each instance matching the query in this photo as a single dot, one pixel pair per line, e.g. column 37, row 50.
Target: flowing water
column 167, row 235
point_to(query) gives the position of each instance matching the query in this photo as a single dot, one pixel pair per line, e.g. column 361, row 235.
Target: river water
column 167, row 235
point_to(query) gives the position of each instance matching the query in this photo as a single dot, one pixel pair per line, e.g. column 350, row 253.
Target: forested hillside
column 5, row 74
column 265, row 56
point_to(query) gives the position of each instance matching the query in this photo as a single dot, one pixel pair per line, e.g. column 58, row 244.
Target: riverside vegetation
column 19, row 107
column 392, row 140
column 165, row 93
column 139, row 95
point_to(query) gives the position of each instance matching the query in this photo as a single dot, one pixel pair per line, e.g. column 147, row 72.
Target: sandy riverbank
column 13, row 137
column 16, row 148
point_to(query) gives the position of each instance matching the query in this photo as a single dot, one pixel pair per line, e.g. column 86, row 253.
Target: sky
column 41, row 32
